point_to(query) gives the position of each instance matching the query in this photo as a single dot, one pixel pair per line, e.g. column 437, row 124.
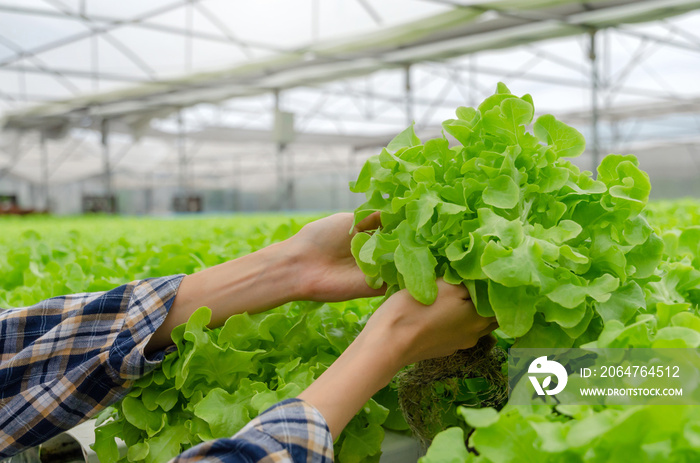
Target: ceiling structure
column 464, row 29
column 186, row 92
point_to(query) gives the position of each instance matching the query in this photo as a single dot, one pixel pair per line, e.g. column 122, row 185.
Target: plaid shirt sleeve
column 290, row 431
column 65, row 359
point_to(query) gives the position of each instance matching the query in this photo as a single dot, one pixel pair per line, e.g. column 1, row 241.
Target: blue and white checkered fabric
column 65, row 359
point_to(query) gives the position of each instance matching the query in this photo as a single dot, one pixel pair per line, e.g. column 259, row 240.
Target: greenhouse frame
column 266, row 131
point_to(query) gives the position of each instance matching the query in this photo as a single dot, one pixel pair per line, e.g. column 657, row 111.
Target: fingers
column 490, row 328
column 452, row 290
column 371, row 222
column 367, row 291
column 473, row 340
column 483, row 324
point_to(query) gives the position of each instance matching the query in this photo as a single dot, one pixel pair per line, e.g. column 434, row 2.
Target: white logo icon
column 542, row 365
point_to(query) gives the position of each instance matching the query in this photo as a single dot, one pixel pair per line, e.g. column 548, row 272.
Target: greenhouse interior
column 418, row 231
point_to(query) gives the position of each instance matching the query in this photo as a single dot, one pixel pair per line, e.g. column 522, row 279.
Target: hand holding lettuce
column 540, row 245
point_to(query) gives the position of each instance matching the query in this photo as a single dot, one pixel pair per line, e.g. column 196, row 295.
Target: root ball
column 470, row 377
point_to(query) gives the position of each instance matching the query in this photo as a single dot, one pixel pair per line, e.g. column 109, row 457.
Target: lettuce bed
column 217, row 380
column 181, row 404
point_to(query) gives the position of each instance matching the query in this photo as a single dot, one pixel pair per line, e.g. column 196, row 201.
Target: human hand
column 328, row 271
column 402, row 331
column 420, row 332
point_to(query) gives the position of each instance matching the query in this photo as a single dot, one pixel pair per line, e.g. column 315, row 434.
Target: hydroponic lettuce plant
column 547, row 249
column 668, row 318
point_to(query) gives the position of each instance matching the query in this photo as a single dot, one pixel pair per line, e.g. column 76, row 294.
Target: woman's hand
column 328, row 271
column 402, row 331
column 421, row 332
column 315, row 264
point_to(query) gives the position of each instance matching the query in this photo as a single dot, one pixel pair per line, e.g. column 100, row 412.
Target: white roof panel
column 340, row 68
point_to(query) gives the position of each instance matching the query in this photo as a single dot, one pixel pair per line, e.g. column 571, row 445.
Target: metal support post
column 148, row 193
column 409, row 95
column 352, row 152
column 279, row 162
column 45, row 174
column 181, row 156
column 333, row 186
column 237, row 184
column 291, row 202
column 108, row 187
column 280, row 177
column 595, row 148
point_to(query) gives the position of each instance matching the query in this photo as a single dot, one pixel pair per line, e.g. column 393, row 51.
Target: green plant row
column 36, row 256
column 216, row 380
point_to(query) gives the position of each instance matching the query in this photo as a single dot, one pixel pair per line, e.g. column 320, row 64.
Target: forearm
column 401, row 332
column 254, row 283
column 361, row 371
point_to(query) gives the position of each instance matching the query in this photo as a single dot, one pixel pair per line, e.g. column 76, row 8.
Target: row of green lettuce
column 216, row 380
column 666, row 316
column 219, row 379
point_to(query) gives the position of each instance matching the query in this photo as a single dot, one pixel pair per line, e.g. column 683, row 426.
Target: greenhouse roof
column 191, row 88
column 466, row 27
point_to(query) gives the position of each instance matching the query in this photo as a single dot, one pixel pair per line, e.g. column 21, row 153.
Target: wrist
column 282, row 271
column 385, row 337
column 293, row 258
column 364, row 368
column 289, row 262
column 390, row 327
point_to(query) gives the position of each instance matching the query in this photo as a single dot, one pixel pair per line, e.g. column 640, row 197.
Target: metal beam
column 109, row 20
column 376, row 17
column 83, row 35
column 117, row 44
column 224, row 29
column 556, row 59
column 291, row 181
column 45, row 174
column 279, row 164
column 694, row 39
column 656, row 38
column 238, row 183
column 107, row 174
column 18, row 98
column 543, row 78
column 61, row 79
column 177, row 92
column 183, row 187
column 540, row 16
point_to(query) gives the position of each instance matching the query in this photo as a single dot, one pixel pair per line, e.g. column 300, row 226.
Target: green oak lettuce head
column 548, row 250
